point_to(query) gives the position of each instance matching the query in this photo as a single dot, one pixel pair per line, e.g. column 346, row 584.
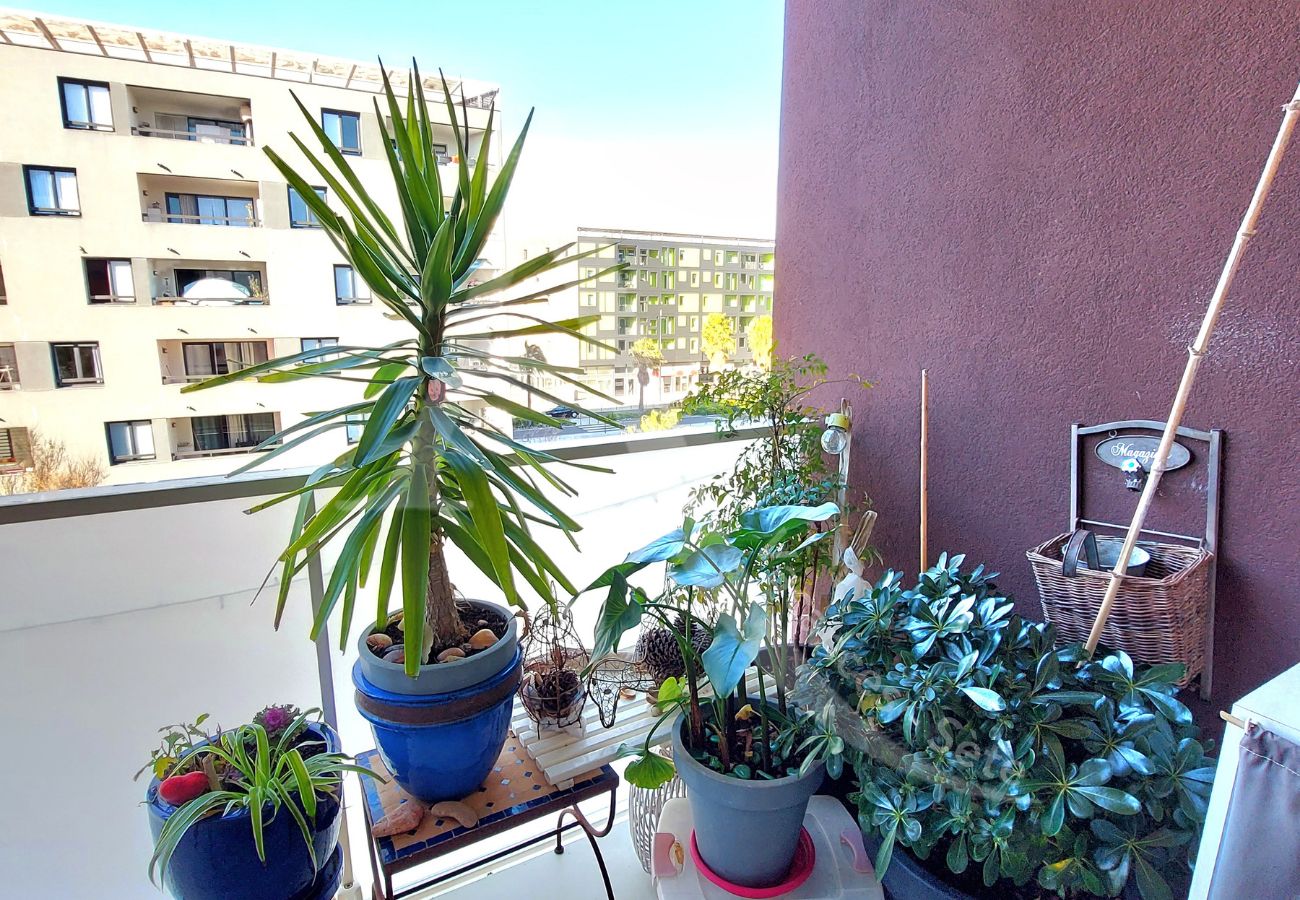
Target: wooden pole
column 1195, row 353
column 925, row 453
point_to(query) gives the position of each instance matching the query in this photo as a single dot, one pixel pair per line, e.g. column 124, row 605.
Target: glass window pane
column 74, row 101
column 209, row 432
column 101, row 111
column 120, row 276
column 198, row 359
column 67, row 190
column 351, row 132
column 331, row 126
column 342, row 282
column 41, row 184
column 212, row 210
column 88, row 357
column 65, row 362
column 119, row 439
column 143, row 434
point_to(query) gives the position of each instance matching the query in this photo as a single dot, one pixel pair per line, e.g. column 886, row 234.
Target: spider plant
column 430, row 467
column 251, row 773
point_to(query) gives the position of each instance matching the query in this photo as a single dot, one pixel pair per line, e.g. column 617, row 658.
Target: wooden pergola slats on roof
column 162, row 48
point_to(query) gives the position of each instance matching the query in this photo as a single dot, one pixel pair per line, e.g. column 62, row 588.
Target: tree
column 647, row 354
column 532, row 352
column 718, row 339
column 761, row 343
column 429, row 469
column 53, row 467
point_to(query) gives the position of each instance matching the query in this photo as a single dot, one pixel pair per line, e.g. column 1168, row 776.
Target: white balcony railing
column 131, row 607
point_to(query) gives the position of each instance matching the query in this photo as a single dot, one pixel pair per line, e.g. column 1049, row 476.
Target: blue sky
column 649, row 115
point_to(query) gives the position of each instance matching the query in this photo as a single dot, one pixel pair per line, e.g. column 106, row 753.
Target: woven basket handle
column 1082, row 541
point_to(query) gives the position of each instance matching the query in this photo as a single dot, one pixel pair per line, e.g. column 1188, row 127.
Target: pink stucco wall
column 1034, row 201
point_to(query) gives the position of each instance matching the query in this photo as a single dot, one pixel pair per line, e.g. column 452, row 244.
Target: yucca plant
column 429, row 467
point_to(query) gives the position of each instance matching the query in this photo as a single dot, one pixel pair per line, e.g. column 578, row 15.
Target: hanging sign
column 1117, row 451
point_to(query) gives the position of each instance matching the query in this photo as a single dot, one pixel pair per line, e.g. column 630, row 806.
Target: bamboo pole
column 925, row 453
column 1195, row 353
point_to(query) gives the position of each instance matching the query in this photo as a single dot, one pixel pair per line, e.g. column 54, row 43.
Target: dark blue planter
column 441, row 746
column 216, row 859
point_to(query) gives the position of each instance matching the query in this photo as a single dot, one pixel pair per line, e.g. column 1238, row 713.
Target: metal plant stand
column 515, row 793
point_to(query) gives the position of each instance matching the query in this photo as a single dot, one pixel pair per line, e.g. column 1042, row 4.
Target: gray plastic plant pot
column 746, row 831
column 443, row 678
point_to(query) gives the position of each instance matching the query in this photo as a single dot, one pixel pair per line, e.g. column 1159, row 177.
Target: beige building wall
column 122, row 177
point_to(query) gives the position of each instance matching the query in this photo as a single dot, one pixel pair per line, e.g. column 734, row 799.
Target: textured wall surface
column 1034, row 201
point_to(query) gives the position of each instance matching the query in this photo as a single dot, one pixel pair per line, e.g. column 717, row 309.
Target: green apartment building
column 673, row 284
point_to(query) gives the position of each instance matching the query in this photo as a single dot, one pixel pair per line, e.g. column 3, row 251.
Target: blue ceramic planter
column 216, row 859
column 441, row 746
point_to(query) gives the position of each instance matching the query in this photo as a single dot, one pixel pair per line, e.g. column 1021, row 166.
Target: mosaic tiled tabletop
column 516, row 787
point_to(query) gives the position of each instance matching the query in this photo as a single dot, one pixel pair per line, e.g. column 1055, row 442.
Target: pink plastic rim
column 805, row 858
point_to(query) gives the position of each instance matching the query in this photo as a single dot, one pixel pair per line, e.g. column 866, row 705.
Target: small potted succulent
column 250, row 812
column 750, row 761
column 990, row 762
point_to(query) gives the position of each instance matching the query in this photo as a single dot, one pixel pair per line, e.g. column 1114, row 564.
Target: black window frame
column 238, row 427
column 57, row 211
column 114, row 460
column 342, row 113
column 312, row 221
column 79, row 381
column 180, row 218
column 106, row 299
column 63, row 105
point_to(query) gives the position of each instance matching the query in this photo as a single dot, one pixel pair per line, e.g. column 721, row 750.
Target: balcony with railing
column 180, row 200
column 195, row 118
column 207, row 282
column 196, row 437
column 166, row 579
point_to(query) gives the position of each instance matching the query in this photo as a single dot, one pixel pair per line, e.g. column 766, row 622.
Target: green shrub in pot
column 984, row 749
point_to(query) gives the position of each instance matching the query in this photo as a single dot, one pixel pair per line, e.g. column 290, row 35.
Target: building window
column 4, row 296
column 348, row 288
column 85, row 105
column 318, row 342
column 344, row 129
column 110, row 281
column 231, row 432
column 355, row 423
column 129, row 441
column 77, row 364
column 300, row 214
column 206, row 359
column 206, row 209
column 8, row 368
column 52, row 191
column 15, row 449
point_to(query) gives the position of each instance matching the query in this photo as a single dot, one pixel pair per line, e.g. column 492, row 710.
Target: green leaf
column 707, row 567
column 482, row 506
column 392, row 403
column 770, row 519
column 732, row 652
column 649, row 771
column 618, row 614
column 985, row 699
column 1110, row 799
column 659, row 549
column 417, row 541
column 439, row 368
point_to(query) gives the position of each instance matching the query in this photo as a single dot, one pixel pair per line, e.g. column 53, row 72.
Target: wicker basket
column 1160, row 618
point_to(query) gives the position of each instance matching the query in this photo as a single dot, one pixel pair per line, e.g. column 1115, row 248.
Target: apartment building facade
column 147, row 242
column 671, row 287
